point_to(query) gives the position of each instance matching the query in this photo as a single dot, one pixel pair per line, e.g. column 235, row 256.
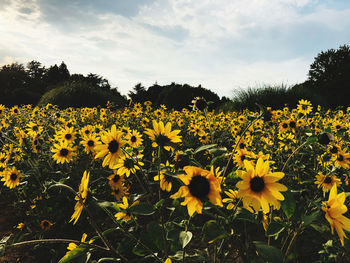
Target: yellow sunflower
column 163, row 136
column 326, row 182
column 125, row 215
column 335, row 209
column 11, row 177
column 304, row 107
column 63, row 152
column 259, row 187
column 89, row 142
column 134, row 139
column 128, row 164
column 81, row 197
column 111, row 147
column 199, row 185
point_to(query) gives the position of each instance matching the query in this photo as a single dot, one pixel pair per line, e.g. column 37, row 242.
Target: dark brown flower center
column 334, row 149
column 64, row 152
column 90, row 143
column 328, row 180
column 68, row 136
column 340, row 158
column 162, row 140
column 257, row 184
column 133, row 138
column 113, row 146
column 285, row 125
column 116, row 178
column 199, row 186
column 13, row 177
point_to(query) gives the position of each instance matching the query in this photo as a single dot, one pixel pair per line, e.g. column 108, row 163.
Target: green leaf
column 204, row 148
column 142, row 209
column 159, row 203
column 308, row 219
column 212, row 231
column 185, row 238
column 274, row 228
column 101, row 260
column 269, row 253
column 139, row 250
column 311, row 139
column 76, row 255
column 155, row 234
column 288, row 204
column 245, row 215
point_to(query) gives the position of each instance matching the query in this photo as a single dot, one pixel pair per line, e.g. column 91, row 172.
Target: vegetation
column 145, row 184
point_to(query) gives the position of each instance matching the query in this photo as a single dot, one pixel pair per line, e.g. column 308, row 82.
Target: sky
column 224, row 45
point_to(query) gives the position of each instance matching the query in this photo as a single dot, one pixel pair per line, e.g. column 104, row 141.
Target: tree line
column 327, row 85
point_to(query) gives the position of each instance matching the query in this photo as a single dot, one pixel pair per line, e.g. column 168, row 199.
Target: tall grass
column 277, row 97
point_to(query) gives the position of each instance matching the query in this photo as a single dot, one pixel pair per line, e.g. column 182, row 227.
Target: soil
column 7, row 221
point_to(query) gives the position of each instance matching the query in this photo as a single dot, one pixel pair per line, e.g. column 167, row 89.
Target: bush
column 81, row 94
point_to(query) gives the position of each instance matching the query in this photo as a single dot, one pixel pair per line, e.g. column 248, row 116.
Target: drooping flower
column 81, row 197
column 259, row 187
column 335, row 209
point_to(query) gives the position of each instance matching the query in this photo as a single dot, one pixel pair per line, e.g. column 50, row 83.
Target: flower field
column 147, row 184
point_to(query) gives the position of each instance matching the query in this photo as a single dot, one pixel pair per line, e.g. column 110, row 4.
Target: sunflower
column 11, row 177
column 259, row 187
column 125, row 215
column 199, row 185
column 89, row 142
column 165, row 182
column 63, row 152
column 111, row 147
column 81, row 197
column 34, row 129
column 134, row 139
column 46, row 225
column 144, row 122
column 128, row 165
column 304, row 107
column 232, row 195
column 342, row 159
column 15, row 111
column 204, row 138
column 67, row 134
column 326, row 182
column 86, row 130
column 2, row 109
column 335, row 209
column 115, row 180
column 162, row 136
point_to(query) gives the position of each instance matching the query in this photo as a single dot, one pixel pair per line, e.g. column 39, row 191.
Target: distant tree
column 329, row 76
column 138, row 93
column 56, row 74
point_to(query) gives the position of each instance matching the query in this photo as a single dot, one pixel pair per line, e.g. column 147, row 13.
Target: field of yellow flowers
column 145, row 184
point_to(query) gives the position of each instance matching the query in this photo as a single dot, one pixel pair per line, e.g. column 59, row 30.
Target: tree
column 329, row 76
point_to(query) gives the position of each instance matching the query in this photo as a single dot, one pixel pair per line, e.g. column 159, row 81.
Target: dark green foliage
column 174, row 96
column 81, row 94
column 329, row 76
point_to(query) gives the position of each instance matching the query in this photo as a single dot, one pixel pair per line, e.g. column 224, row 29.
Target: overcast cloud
column 220, row 44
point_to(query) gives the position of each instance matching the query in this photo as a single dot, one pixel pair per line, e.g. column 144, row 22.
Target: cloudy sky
column 221, row 44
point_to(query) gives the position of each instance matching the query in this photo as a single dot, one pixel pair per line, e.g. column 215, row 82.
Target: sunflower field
column 146, row 184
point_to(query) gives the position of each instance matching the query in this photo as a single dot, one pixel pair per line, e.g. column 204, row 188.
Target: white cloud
column 223, row 44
